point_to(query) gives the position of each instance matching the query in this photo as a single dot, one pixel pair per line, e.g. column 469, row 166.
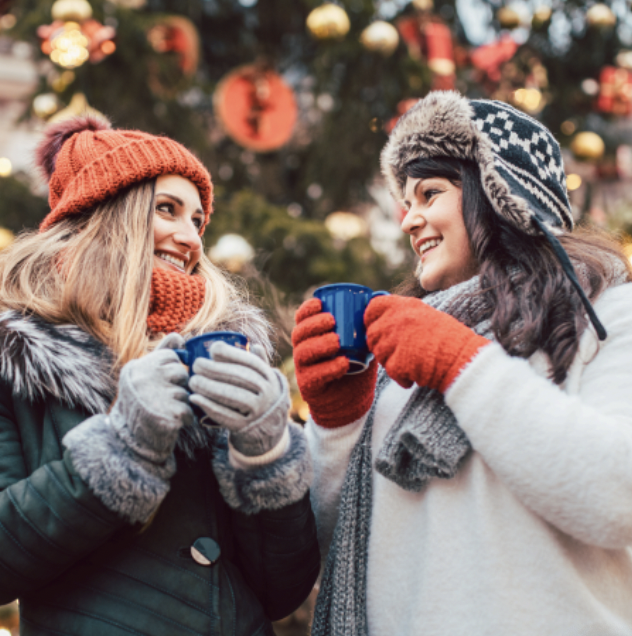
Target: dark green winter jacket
column 80, row 568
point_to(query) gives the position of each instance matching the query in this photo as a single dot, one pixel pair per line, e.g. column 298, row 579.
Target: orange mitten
column 334, row 398
column 416, row 343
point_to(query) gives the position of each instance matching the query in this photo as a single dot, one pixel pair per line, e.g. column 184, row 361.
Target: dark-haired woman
column 479, row 483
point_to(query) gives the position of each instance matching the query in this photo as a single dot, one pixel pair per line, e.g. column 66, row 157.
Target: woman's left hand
column 416, row 343
column 241, row 392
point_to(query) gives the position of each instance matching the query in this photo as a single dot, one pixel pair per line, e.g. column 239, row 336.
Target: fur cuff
column 121, row 479
column 269, row 487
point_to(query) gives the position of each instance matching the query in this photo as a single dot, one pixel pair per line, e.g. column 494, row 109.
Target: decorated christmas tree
column 289, row 101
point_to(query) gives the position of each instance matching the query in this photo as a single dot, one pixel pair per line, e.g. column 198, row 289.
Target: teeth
column 429, row 244
column 172, row 259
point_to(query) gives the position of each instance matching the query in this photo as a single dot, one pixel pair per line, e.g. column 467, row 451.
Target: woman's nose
column 413, row 220
column 188, row 235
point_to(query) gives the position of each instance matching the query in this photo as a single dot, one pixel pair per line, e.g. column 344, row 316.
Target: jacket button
column 205, row 551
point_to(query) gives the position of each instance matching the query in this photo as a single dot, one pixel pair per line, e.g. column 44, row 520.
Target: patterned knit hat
column 520, row 162
column 522, row 172
column 87, row 162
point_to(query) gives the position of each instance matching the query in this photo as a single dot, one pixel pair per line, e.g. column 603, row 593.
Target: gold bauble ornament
column 45, row 105
column 329, row 21
column 78, row 106
column 588, row 145
column 423, row 5
column 541, row 16
column 380, row 37
column 71, row 10
column 601, row 16
column 345, row 225
column 508, row 18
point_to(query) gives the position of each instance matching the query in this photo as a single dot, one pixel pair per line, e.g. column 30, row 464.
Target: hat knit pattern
column 87, row 162
column 175, row 298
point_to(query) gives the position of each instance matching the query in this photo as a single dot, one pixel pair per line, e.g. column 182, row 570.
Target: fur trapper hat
column 520, row 162
column 87, row 161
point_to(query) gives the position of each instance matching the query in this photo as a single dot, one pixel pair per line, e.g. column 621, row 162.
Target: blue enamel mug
column 200, row 346
column 347, row 303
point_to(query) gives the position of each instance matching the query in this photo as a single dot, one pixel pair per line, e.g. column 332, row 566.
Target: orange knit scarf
column 175, row 298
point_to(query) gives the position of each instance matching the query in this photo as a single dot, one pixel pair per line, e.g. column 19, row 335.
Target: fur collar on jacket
column 40, row 360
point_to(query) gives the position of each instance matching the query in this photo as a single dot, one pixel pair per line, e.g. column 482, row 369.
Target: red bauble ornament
column 615, row 91
column 176, row 34
column 489, row 58
column 257, row 108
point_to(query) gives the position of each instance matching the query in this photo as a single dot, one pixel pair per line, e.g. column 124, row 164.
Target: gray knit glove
column 241, row 392
column 152, row 404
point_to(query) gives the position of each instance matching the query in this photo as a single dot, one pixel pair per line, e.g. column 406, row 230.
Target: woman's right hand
column 334, row 398
column 152, row 404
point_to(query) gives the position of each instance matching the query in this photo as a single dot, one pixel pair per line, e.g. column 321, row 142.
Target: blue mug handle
column 379, row 293
column 183, row 354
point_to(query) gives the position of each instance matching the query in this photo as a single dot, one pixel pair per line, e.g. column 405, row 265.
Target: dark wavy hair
column 528, row 298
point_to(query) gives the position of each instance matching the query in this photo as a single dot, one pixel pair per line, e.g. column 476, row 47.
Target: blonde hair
column 94, row 270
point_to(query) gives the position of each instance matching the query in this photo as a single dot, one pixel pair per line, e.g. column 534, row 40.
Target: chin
column 427, row 282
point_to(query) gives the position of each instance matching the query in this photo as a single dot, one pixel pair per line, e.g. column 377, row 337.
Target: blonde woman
column 119, row 512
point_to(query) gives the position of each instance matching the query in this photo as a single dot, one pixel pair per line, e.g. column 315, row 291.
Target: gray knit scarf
column 423, row 443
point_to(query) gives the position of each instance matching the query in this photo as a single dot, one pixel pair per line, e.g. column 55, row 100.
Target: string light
column 69, row 47
column 528, row 98
column 5, row 170
column 75, row 37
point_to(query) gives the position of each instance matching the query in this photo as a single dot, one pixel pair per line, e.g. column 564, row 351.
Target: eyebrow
column 178, row 200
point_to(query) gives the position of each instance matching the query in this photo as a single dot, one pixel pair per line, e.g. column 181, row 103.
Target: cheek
column 195, row 258
column 160, row 231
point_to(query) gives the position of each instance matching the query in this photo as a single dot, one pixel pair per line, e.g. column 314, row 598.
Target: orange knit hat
column 87, row 162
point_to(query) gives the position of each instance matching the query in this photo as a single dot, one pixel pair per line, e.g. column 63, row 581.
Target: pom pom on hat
column 56, row 135
column 88, row 162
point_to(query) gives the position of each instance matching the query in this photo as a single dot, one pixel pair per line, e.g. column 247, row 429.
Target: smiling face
column 434, row 221
column 178, row 219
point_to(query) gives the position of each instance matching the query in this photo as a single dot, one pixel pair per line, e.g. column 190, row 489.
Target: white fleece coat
column 533, row 535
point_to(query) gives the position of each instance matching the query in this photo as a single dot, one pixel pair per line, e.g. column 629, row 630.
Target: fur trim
column 125, row 482
column 56, row 135
column 444, row 124
column 268, row 487
column 39, row 359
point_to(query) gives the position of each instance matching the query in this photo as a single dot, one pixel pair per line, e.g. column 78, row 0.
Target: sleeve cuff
column 269, row 486
column 244, row 462
column 335, row 440
column 126, row 483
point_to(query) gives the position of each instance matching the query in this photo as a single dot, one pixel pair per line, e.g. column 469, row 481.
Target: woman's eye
column 428, row 194
column 165, row 207
column 198, row 222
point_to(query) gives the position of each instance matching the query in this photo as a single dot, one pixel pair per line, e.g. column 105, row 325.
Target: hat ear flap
column 56, row 135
